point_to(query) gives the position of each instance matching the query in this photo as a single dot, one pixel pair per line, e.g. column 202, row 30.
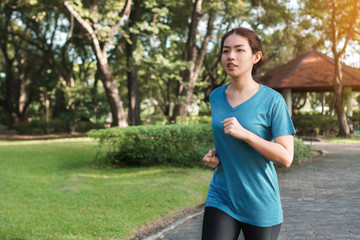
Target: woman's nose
column 231, row 55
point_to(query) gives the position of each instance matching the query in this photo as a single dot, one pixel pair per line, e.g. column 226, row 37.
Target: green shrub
column 54, row 126
column 5, row 118
column 156, row 120
column 57, row 126
column 312, row 125
column 356, row 116
column 33, row 127
column 41, row 127
column 85, row 126
column 193, row 120
column 302, row 151
column 176, row 145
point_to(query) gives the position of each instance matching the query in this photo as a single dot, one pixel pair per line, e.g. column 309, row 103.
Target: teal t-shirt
column 245, row 184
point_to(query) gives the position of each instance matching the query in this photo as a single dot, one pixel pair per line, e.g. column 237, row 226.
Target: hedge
column 175, row 145
column 54, row 126
column 312, row 125
column 41, row 127
column 301, row 151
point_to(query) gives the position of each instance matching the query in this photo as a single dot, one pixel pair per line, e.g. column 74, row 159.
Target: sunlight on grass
column 25, row 142
column 136, row 173
column 355, row 139
column 51, row 189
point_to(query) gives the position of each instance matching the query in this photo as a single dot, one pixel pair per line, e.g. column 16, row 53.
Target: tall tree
column 351, row 20
column 21, row 78
column 338, row 20
column 195, row 56
column 90, row 15
column 132, row 71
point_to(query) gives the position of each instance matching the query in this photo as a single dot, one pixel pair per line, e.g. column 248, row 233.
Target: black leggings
column 218, row 225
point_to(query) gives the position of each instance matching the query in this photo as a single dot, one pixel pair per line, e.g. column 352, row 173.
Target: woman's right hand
column 211, row 159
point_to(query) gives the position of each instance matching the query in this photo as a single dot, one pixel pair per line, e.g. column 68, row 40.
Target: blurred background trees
column 142, row 61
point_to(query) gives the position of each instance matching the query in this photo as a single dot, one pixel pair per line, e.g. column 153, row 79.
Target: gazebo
column 311, row 72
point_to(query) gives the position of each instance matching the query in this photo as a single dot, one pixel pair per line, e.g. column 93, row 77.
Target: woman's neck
column 243, row 84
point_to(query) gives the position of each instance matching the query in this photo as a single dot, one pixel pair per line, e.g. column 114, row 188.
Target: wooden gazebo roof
column 311, row 72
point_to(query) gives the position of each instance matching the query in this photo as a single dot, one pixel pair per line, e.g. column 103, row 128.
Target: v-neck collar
column 233, row 109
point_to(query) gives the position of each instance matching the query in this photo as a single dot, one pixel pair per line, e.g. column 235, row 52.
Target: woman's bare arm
column 280, row 151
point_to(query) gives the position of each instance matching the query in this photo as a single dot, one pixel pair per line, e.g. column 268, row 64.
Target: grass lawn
column 50, row 190
column 355, row 138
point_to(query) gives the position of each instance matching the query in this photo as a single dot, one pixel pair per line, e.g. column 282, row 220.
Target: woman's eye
column 240, row 50
column 225, row 51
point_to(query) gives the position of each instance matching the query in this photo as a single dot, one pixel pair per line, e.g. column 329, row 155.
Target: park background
column 141, row 71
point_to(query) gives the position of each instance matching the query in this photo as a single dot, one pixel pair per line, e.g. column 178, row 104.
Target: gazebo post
column 350, row 112
column 322, row 95
column 288, row 100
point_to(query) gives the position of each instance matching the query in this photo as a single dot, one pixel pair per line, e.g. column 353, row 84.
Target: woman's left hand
column 234, row 128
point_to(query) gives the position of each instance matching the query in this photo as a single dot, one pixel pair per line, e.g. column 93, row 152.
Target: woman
column 252, row 130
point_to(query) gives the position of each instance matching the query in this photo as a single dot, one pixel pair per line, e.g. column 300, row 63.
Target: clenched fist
column 233, row 127
column 211, row 159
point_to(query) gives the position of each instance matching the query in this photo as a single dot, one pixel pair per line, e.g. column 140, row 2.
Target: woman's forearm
column 281, row 151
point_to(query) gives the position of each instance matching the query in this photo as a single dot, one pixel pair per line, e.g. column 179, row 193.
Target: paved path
column 321, row 200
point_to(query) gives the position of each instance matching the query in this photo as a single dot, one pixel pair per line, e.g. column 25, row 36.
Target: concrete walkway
column 321, row 200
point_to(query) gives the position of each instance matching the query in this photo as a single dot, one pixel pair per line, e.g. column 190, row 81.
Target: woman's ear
column 257, row 57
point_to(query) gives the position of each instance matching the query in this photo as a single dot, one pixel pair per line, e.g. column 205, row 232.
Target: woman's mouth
column 231, row 66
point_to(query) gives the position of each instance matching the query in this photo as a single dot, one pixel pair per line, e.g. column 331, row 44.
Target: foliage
column 331, row 99
column 4, row 118
column 192, row 120
column 319, row 17
column 338, row 21
column 174, row 145
column 356, row 115
column 41, row 127
column 312, row 125
column 85, row 102
column 54, row 126
column 302, row 151
column 66, row 62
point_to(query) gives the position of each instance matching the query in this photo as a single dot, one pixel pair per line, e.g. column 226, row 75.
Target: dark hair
column 254, row 42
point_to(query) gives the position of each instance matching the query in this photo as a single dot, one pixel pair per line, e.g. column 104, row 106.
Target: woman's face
column 237, row 57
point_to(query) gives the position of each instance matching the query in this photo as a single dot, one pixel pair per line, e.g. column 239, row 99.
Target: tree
column 195, row 56
column 22, row 77
column 338, row 20
column 132, row 71
column 90, row 15
column 174, row 57
column 37, row 27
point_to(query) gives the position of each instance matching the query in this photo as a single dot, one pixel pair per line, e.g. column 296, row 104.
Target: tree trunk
column 189, row 76
column 16, row 101
column 22, row 89
column 189, row 55
column 344, row 130
column 7, row 102
column 112, row 94
column 198, row 62
column 109, row 82
column 132, row 77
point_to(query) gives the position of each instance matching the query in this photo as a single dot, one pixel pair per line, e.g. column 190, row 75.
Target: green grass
column 51, row 190
column 355, row 138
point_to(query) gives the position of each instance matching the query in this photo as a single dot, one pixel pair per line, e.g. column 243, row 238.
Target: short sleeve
column 281, row 123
